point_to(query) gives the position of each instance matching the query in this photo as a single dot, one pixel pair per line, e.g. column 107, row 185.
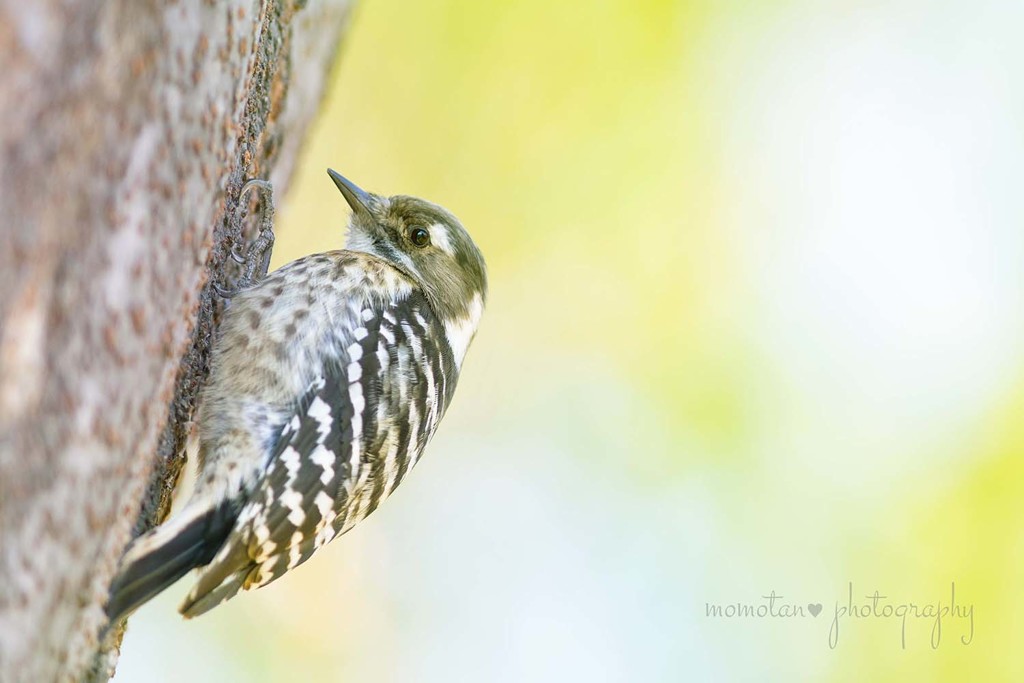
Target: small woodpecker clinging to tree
column 328, row 379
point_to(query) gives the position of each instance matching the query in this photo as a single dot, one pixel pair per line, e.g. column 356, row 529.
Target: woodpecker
column 329, row 377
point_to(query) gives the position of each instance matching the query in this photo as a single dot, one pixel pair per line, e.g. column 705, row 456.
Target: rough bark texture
column 128, row 127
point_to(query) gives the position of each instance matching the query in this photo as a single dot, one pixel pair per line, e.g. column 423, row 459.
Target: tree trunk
column 128, row 128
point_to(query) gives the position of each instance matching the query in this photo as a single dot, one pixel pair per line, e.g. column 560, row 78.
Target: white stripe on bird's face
column 440, row 239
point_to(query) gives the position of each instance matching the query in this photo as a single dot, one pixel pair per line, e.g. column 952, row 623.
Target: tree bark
column 128, row 128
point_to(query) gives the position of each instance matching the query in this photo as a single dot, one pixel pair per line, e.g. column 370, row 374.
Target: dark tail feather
column 165, row 554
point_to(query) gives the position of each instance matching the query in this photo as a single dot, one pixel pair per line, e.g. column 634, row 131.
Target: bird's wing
column 353, row 436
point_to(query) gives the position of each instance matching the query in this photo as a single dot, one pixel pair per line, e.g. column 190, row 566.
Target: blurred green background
column 756, row 324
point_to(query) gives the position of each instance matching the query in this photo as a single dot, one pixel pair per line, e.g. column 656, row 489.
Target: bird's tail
column 160, row 557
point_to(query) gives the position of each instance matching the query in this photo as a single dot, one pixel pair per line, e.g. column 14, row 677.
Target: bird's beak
column 356, row 198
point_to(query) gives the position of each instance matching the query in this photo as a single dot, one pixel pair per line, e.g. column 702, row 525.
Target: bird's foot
column 256, row 260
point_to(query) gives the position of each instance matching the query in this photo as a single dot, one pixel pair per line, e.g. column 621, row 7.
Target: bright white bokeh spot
column 877, row 213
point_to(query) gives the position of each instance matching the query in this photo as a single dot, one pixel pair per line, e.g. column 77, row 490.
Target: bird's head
column 426, row 243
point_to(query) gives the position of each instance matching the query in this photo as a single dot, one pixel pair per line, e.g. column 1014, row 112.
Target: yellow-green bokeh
column 754, row 325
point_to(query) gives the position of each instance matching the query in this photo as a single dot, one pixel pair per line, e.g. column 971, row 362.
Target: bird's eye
column 419, row 236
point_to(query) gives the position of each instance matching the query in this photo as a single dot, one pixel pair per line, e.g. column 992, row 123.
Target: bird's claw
column 256, row 260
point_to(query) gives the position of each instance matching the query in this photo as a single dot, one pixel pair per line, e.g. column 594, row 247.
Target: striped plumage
column 330, row 376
